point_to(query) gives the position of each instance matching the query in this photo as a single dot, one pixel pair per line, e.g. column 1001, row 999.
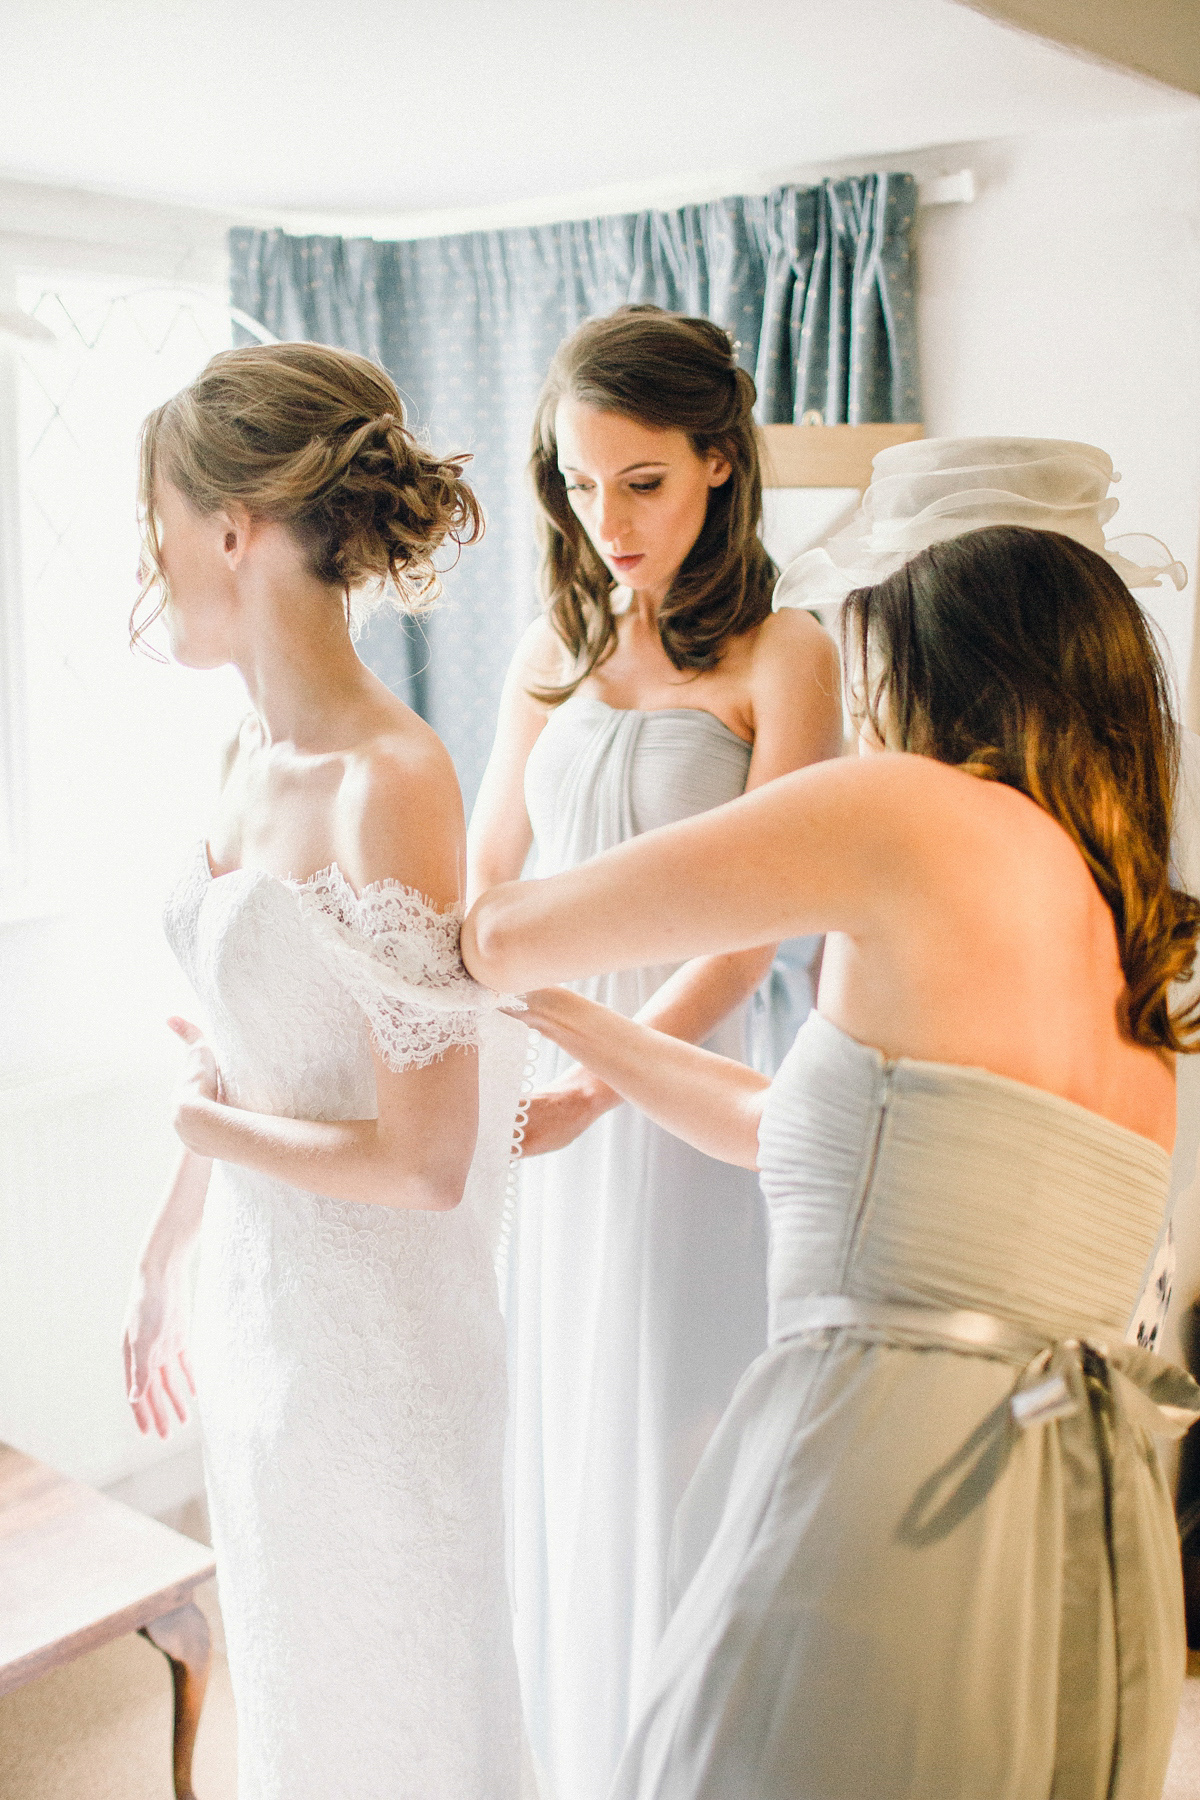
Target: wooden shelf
column 828, row 456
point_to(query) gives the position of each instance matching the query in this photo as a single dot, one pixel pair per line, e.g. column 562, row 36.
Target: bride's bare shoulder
column 245, row 741
column 400, row 812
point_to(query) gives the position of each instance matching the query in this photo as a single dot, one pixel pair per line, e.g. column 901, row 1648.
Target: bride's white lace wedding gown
column 350, row 1361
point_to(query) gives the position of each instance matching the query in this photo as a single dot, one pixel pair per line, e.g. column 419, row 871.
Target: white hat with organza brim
column 925, row 492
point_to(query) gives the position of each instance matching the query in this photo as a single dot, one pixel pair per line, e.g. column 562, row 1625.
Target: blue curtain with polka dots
column 816, row 284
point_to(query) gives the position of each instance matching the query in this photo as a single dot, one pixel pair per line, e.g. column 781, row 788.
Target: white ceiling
column 398, row 106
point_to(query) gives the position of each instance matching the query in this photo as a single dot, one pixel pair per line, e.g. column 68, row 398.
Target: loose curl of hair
column 667, row 371
column 1020, row 656
column 313, row 438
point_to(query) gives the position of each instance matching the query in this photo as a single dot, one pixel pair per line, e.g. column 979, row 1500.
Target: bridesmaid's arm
column 709, row 1101
column 796, row 712
column 500, row 833
column 836, row 847
column 688, row 1006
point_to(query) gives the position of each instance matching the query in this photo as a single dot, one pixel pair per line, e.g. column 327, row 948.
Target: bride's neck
column 300, row 668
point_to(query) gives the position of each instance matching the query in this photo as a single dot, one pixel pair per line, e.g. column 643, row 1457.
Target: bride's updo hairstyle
column 1020, row 656
column 669, row 372
column 312, row 438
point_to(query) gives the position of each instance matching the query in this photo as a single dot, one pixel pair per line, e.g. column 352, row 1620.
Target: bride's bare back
column 376, row 793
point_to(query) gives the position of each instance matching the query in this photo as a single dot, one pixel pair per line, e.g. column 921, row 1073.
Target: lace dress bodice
column 293, row 972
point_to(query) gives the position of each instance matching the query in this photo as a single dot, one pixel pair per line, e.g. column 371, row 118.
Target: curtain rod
column 940, row 190
column 948, row 190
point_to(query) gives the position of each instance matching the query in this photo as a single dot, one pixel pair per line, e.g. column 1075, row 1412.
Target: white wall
column 1065, row 302
column 514, row 101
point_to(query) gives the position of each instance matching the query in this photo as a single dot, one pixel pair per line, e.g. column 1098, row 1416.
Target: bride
column 348, row 1348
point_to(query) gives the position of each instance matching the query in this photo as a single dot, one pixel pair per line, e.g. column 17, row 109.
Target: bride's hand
column 564, row 1110
column 158, row 1376
column 560, row 1113
column 201, row 1078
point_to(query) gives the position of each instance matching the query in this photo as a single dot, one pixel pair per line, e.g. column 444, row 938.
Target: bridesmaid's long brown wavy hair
column 1020, row 656
column 667, row 371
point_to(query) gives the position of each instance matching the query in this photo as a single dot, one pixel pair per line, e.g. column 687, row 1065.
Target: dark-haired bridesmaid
column 656, row 685
column 930, row 1550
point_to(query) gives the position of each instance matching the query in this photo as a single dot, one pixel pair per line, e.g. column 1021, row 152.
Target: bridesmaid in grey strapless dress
column 929, row 1552
column 934, row 1231
column 637, row 1292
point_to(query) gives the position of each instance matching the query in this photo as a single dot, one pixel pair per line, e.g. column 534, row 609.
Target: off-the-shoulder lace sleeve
column 398, row 956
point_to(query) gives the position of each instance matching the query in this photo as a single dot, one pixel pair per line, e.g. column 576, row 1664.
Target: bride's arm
column 414, row 1156
column 709, row 1101
column 158, row 1376
column 399, row 817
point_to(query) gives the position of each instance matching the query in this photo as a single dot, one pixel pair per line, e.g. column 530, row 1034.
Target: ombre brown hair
column 1020, row 656
column 313, row 438
column 667, row 371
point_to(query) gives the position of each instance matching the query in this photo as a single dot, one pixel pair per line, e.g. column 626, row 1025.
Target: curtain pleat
column 816, row 285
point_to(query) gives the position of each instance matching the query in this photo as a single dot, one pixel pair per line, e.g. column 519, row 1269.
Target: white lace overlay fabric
column 350, row 1361
column 398, row 956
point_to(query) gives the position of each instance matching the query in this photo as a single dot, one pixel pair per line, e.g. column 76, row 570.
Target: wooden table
column 78, row 1569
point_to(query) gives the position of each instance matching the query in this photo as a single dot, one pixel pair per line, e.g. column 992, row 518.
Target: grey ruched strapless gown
column 929, row 1553
column 637, row 1292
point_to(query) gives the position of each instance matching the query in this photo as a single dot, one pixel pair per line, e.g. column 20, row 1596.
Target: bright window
column 112, row 757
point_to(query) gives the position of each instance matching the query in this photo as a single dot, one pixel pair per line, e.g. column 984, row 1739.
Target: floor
column 101, row 1730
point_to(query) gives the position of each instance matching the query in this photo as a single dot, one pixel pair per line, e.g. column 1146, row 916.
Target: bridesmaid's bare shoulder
column 793, row 637
column 541, row 659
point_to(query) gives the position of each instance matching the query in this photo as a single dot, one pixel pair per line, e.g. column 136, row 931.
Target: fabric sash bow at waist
column 1153, row 1393
column 1120, row 1595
